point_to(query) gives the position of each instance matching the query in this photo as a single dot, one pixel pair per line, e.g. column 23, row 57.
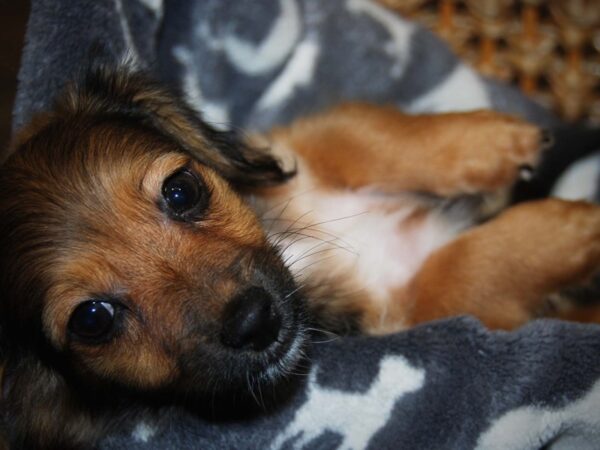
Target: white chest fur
column 378, row 241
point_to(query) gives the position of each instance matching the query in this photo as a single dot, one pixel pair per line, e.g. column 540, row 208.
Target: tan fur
column 502, row 271
column 83, row 218
column 357, row 145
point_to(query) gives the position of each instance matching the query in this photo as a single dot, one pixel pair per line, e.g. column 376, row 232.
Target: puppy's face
column 130, row 258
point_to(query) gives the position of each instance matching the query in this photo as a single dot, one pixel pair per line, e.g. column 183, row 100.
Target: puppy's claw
column 547, row 139
column 526, row 172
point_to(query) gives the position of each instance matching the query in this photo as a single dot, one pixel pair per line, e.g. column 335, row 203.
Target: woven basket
column 550, row 49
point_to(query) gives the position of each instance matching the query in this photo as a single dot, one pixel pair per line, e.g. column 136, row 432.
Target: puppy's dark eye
column 183, row 194
column 92, row 320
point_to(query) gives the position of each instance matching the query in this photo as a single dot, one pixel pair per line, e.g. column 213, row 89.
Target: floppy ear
column 132, row 95
column 39, row 409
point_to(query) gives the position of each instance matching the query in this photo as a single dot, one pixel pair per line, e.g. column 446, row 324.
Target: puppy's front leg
column 503, row 271
column 357, row 145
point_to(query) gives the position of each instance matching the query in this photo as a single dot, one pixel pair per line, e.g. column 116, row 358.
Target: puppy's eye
column 184, row 196
column 92, row 320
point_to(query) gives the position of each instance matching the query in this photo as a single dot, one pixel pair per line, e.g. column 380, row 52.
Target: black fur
column 126, row 93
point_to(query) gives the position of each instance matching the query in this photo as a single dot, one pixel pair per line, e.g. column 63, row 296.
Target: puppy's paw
column 493, row 151
column 561, row 236
column 583, row 228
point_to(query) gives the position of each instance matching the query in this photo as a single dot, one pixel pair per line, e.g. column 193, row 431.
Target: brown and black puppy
column 130, row 263
column 145, row 252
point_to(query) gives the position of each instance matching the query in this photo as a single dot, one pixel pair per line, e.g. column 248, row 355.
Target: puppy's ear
column 40, row 410
column 131, row 95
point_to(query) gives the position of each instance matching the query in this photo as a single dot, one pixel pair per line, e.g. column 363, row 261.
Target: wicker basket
column 551, row 49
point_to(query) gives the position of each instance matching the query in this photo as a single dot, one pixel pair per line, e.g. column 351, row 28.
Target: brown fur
column 357, row 145
column 504, row 271
column 82, row 217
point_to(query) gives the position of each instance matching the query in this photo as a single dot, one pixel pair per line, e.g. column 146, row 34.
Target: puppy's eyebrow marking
column 159, row 168
column 140, row 185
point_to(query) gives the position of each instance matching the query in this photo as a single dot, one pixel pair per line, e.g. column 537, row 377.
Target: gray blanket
column 445, row 385
column 253, row 64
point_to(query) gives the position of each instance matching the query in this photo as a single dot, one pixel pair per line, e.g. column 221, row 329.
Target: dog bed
column 450, row 384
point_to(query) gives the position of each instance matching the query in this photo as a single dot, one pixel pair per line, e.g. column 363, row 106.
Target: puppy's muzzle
column 251, row 321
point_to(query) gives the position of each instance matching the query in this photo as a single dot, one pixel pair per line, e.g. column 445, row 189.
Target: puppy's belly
column 356, row 242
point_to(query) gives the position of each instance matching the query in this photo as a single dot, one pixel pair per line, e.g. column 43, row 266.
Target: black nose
column 250, row 321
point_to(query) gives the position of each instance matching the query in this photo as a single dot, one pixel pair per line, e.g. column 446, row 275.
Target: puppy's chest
column 354, row 241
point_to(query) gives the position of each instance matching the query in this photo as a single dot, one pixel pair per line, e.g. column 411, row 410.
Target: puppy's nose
column 250, row 321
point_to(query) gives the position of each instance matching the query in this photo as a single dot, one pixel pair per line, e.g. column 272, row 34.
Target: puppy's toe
column 527, row 143
column 513, row 151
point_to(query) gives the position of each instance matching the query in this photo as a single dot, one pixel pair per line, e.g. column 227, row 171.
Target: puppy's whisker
column 336, row 237
column 326, row 222
column 260, row 395
column 322, row 330
column 314, row 227
column 288, row 372
column 286, row 202
column 289, row 294
column 281, row 235
column 337, row 219
column 342, row 293
column 279, row 215
column 251, row 388
column 300, row 238
column 333, row 336
column 304, row 268
column 325, row 341
column 300, row 231
column 310, row 252
column 298, row 219
column 291, row 256
column 309, row 255
column 331, row 242
column 295, row 241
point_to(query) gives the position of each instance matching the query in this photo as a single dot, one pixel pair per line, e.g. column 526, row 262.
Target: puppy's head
column 128, row 256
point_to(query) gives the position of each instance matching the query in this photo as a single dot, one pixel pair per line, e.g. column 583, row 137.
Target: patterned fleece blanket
column 446, row 385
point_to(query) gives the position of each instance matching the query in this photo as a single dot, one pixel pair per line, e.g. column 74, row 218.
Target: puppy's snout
column 251, row 321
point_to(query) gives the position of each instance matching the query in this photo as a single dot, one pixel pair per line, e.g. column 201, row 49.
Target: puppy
column 149, row 255
column 131, row 266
